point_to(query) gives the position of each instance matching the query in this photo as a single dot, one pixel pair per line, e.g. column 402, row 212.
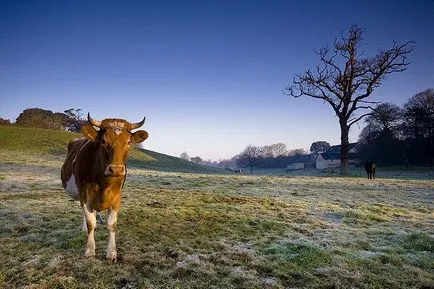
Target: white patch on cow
column 111, row 225
column 90, row 216
column 118, row 131
column 71, row 188
column 117, row 126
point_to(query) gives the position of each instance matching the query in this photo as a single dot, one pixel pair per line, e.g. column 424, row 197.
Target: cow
column 95, row 170
column 370, row 169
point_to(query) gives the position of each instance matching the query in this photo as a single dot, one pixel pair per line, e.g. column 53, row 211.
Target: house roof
column 306, row 159
column 334, row 152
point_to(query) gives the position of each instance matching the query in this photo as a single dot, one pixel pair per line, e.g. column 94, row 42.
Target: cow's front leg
column 111, row 225
column 90, row 216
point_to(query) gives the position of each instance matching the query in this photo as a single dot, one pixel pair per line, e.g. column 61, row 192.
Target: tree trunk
column 344, row 148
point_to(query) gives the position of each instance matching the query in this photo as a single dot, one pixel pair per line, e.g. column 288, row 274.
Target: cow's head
column 113, row 137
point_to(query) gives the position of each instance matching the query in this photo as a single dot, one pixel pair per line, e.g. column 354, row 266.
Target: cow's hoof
column 111, row 261
column 89, row 253
column 111, row 257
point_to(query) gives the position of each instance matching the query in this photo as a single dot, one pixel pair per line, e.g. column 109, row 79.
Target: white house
column 331, row 158
column 323, row 163
column 295, row 166
column 300, row 162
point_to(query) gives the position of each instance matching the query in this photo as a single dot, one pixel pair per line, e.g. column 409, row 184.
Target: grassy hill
column 53, row 143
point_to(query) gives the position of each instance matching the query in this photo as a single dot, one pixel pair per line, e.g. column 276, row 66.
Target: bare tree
column 279, row 149
column 248, row 157
column 266, row 152
column 273, row 151
column 346, row 78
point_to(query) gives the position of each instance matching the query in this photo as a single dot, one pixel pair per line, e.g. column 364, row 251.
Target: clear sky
column 208, row 75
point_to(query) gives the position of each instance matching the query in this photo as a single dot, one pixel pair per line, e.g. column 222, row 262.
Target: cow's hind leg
column 90, row 216
column 111, row 225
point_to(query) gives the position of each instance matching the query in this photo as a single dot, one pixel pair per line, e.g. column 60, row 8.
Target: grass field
column 179, row 229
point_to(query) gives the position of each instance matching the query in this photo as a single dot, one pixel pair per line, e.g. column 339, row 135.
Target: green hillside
column 53, row 143
column 35, row 140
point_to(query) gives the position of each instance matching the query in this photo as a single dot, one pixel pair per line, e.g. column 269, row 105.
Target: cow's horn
column 93, row 121
column 138, row 124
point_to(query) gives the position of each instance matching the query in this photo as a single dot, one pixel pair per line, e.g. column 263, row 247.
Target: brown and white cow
column 95, row 170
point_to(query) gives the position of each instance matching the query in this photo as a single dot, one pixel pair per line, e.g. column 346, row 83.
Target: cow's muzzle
column 114, row 170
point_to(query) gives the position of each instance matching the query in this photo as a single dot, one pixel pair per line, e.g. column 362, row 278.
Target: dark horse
column 370, row 169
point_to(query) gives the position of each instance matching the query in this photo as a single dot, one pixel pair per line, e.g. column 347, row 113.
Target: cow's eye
column 103, row 141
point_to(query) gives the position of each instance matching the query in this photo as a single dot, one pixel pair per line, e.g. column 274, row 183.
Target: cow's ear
column 89, row 132
column 139, row 136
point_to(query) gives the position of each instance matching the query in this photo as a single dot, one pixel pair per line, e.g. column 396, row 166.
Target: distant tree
column 75, row 119
column 346, row 78
column 273, row 151
column 379, row 138
column 209, row 163
column 248, row 157
column 37, row 117
column 386, row 117
column 418, row 126
column 279, row 149
column 319, row 146
column 4, row 121
column 228, row 163
column 419, row 115
column 75, row 113
column 196, row 160
column 296, row 152
column 185, row 156
column 367, row 136
column 266, row 152
column 384, row 148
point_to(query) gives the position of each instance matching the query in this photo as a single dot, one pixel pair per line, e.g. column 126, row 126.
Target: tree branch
column 370, row 102
column 384, row 63
column 345, row 77
column 358, row 118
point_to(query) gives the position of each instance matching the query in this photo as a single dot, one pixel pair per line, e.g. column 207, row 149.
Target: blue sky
column 208, row 75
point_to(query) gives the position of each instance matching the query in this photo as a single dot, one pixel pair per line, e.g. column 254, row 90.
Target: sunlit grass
column 189, row 230
column 181, row 230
